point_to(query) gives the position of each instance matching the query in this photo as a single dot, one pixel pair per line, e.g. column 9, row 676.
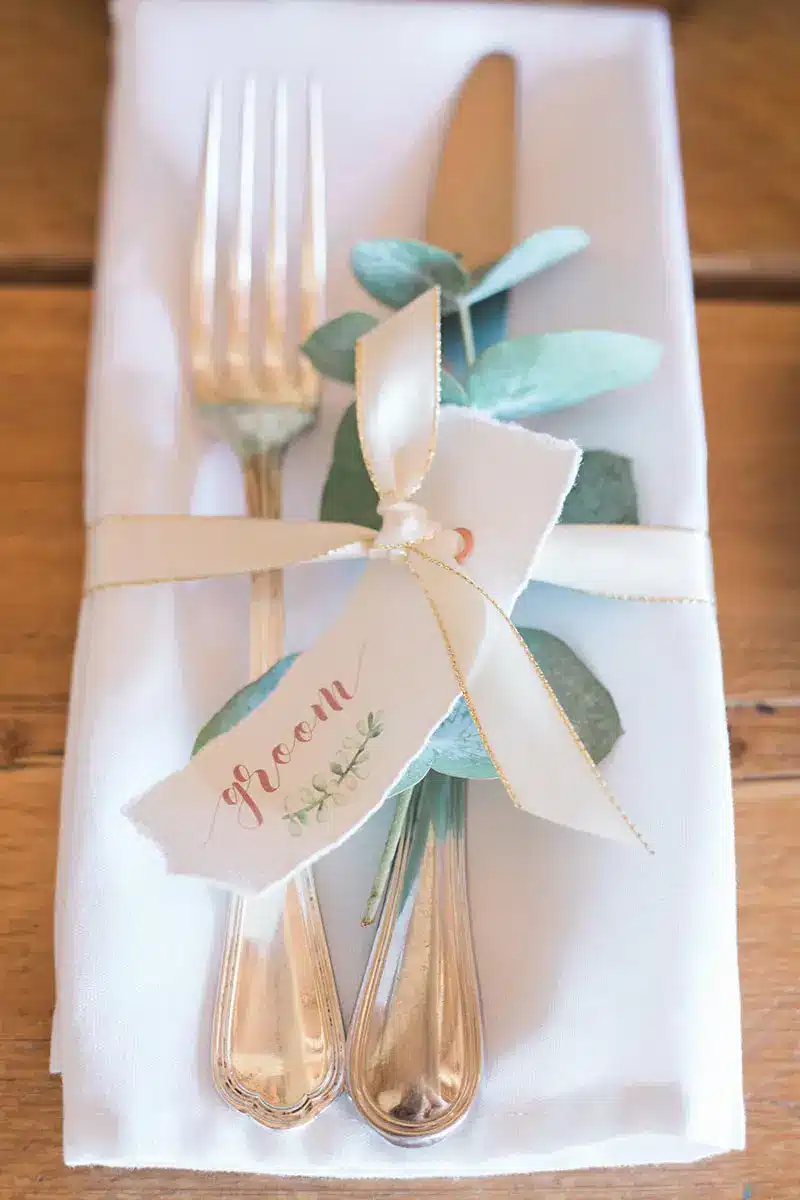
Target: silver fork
column 278, row 1039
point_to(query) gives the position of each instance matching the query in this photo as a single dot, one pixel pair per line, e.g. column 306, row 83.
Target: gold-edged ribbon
column 398, row 405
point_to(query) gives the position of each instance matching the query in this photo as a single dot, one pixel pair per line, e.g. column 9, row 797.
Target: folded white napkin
column 609, row 979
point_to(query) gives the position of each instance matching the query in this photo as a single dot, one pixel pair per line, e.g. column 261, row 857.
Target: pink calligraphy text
column 246, row 785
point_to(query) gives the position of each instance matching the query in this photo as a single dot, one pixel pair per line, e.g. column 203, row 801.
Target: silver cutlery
column 278, row 1039
column 415, row 1043
column 415, row 1049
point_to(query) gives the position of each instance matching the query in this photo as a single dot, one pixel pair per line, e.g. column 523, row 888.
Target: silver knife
column 471, row 209
column 415, row 1049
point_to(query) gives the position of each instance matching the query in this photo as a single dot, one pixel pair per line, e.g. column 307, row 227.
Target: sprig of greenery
column 325, row 792
column 509, row 379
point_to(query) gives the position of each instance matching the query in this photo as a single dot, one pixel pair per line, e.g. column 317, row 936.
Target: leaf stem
column 319, row 802
column 396, row 829
column 467, row 332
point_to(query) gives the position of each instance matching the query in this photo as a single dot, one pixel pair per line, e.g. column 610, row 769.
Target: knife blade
column 471, row 208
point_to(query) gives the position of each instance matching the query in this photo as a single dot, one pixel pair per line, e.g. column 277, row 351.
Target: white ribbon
column 461, row 608
column 625, row 562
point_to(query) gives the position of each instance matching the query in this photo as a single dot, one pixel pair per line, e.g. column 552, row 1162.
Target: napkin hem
column 608, row 1154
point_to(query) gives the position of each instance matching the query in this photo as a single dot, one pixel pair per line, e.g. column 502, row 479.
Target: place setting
column 397, row 832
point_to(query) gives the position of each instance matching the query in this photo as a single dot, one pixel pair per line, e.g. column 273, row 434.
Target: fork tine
column 314, row 247
column 204, row 259
column 275, row 325
column 241, row 269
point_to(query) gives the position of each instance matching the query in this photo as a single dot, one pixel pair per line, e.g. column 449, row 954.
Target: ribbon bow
column 469, row 510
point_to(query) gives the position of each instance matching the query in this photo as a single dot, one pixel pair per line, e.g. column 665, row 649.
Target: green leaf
column 536, row 253
column 416, row 771
column 386, row 860
column 396, row 272
column 457, row 747
column 250, row 697
column 588, row 704
column 331, row 349
column 348, row 494
column 452, row 391
column 459, row 751
column 437, row 804
column 603, row 493
column 489, row 322
column 243, row 703
column 537, row 374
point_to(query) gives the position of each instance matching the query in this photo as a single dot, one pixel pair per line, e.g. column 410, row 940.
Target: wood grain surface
column 750, row 362
column 53, row 71
column 738, row 74
column 737, row 68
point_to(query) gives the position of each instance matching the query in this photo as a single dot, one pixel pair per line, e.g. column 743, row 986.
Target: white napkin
column 609, row 979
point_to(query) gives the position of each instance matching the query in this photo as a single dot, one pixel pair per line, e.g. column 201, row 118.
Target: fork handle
column 278, row 1038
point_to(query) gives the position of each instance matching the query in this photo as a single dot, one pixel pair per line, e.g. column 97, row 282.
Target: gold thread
column 111, row 518
column 459, row 675
column 105, row 587
column 383, row 496
column 146, row 518
column 621, row 527
column 624, row 596
column 542, row 679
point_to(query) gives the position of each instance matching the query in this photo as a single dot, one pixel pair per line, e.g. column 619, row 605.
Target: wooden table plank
column 750, row 358
column 738, row 75
column 42, row 370
column 52, row 93
column 738, row 80
column 765, row 740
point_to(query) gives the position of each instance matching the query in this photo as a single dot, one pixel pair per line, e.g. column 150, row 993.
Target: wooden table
column 738, row 70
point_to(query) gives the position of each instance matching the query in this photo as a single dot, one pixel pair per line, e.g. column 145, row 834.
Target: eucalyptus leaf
column 452, row 391
column 331, row 349
column 603, row 493
column 348, row 494
column 433, row 806
column 541, row 373
column 254, row 694
column 459, row 751
column 243, row 703
column 415, row 772
column 396, row 272
column 536, row 253
column 396, row 830
column 489, row 324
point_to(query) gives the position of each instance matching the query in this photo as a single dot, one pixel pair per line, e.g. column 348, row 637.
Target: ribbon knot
column 404, row 523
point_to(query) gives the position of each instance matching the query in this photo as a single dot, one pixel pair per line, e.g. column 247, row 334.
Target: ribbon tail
column 123, row 551
column 628, row 562
column 540, row 759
